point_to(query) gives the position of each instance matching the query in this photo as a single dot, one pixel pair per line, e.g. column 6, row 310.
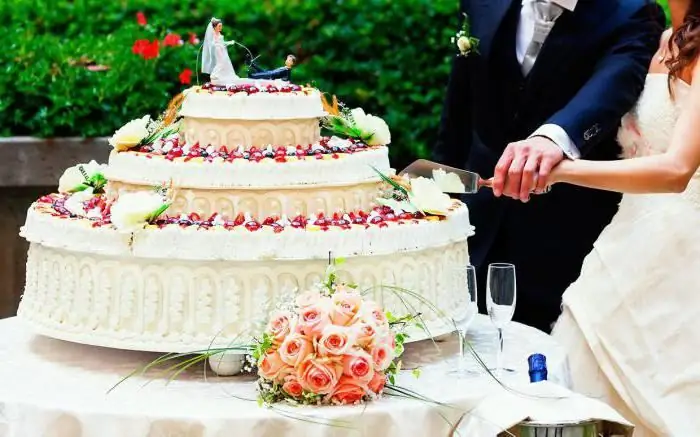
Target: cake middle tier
column 306, row 185
column 263, row 203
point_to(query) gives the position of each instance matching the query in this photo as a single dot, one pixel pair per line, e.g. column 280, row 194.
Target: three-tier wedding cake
column 205, row 217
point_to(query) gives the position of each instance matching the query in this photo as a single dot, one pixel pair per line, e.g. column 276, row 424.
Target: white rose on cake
column 132, row 211
column 74, row 180
column 448, row 182
column 376, row 130
column 75, row 204
column 130, row 134
column 427, row 196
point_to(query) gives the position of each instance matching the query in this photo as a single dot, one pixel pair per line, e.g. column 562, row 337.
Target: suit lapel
column 486, row 20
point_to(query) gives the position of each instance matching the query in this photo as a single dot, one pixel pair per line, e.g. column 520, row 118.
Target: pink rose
column 346, row 305
column 374, row 314
column 348, row 391
column 295, row 348
column 292, row 387
column 313, row 319
column 270, row 365
column 359, row 365
column 377, row 383
column 280, row 325
column 382, row 355
column 284, row 372
column 335, row 340
column 319, row 375
column 308, row 298
column 364, row 334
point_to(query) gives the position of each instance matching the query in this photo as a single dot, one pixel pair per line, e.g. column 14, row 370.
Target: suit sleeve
column 617, row 81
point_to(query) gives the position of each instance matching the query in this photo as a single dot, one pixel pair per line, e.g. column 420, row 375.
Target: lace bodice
column 648, row 128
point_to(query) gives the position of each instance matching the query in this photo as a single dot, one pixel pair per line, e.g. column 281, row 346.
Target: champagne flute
column 500, row 303
column 465, row 279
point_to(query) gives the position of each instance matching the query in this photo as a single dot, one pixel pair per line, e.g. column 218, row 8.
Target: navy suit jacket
column 589, row 73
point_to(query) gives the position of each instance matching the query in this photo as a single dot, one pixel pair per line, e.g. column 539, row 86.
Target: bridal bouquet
column 331, row 347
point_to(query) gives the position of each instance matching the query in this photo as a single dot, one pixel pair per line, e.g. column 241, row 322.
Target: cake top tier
column 250, row 99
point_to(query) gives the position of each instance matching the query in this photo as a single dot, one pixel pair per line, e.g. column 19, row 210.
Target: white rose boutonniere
column 466, row 43
column 132, row 211
column 131, row 134
column 81, row 177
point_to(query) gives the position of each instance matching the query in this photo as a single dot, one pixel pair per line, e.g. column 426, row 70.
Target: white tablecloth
column 51, row 388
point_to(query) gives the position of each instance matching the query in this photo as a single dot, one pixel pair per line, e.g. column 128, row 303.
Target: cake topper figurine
column 215, row 59
column 283, row 73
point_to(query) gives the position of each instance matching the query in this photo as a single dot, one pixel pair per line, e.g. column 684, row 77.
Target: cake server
column 472, row 181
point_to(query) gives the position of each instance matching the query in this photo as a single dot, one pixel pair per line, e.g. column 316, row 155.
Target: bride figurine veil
column 208, row 55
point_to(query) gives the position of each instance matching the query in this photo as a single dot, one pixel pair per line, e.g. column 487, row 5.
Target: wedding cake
column 204, row 217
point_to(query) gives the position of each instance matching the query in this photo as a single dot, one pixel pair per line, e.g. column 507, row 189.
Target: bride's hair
column 684, row 43
column 215, row 22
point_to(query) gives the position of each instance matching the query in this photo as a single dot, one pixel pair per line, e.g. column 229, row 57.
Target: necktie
column 545, row 14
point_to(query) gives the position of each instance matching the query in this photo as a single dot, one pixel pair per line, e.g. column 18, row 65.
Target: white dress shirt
column 526, row 29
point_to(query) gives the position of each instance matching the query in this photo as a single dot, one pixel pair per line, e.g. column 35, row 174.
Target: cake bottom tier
column 184, row 306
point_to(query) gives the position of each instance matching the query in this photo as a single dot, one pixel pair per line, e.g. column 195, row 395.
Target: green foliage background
column 389, row 56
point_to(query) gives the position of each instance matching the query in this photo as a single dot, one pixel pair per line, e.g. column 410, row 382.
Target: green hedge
column 389, row 56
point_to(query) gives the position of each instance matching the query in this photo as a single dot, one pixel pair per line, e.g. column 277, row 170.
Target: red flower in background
column 145, row 48
column 186, row 76
column 193, row 38
column 172, row 39
column 141, row 18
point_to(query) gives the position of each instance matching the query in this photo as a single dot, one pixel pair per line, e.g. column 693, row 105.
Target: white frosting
column 239, row 244
column 200, row 103
column 183, row 306
column 138, row 168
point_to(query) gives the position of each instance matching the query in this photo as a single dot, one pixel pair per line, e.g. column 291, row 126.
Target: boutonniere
column 464, row 41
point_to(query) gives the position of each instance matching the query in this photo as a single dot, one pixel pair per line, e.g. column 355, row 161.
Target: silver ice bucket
column 573, row 429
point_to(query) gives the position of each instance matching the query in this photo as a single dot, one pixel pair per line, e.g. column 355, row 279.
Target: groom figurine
column 550, row 80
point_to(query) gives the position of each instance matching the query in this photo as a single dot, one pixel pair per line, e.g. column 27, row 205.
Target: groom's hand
column 525, row 167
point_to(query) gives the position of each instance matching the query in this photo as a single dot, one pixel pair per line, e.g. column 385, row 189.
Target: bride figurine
column 215, row 59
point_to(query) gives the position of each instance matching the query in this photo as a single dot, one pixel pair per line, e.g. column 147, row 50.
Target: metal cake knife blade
column 472, row 181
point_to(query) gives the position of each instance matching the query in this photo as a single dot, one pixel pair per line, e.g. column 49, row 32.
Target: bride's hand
column 229, row 43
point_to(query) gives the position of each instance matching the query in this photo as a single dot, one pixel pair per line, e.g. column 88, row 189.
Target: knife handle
column 489, row 184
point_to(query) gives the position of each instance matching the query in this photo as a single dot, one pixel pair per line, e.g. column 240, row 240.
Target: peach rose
column 335, row 340
column 382, row 355
column 364, row 334
column 319, row 375
column 295, row 348
column 280, row 325
column 377, row 383
column 359, row 365
column 348, row 391
column 374, row 314
column 308, row 298
column 346, row 305
column 292, row 387
column 270, row 365
column 313, row 319
column 284, row 372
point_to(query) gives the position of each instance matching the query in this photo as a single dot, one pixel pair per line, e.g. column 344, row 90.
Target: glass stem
column 462, row 358
column 499, row 353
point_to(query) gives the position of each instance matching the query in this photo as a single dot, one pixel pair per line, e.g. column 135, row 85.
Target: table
column 51, row 388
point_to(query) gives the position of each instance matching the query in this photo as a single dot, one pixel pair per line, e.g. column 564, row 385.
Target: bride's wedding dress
column 631, row 322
